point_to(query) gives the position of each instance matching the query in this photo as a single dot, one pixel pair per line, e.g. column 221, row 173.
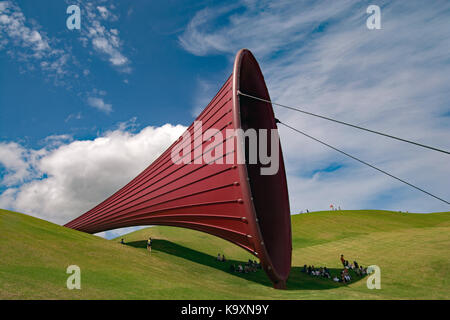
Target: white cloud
column 322, row 58
column 103, row 12
column 24, row 40
column 13, row 160
column 76, row 176
column 30, row 44
column 14, row 27
column 263, row 27
column 76, row 116
column 99, row 104
column 108, row 46
column 105, row 41
column 57, row 140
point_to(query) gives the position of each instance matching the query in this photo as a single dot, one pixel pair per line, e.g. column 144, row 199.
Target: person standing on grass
column 149, row 244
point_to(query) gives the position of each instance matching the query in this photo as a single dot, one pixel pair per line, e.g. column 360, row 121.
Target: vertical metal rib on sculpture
column 231, row 201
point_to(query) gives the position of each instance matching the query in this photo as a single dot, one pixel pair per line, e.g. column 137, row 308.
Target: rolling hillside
column 411, row 250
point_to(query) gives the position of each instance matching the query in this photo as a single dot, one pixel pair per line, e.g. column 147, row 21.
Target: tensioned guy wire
column 344, row 123
column 363, row 162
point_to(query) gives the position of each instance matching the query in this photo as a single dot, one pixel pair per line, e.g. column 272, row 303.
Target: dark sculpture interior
column 269, row 192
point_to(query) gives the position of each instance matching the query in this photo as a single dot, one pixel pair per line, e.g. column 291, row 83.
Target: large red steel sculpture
column 231, row 201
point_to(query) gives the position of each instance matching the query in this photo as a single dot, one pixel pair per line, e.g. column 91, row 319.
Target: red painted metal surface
column 231, row 201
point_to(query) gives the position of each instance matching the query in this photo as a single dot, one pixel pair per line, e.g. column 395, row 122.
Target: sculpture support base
column 281, row 285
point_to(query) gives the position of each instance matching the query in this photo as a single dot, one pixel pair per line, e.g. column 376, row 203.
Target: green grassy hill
column 412, row 251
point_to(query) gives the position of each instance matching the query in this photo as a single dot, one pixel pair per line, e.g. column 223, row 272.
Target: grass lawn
column 412, row 251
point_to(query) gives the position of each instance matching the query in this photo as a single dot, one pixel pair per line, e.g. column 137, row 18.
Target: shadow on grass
column 298, row 280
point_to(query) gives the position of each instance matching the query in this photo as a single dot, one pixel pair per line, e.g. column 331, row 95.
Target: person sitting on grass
column 342, row 278
column 223, row 258
column 356, row 264
column 219, row 258
column 316, row 272
column 347, row 275
column 304, row 268
column 362, row 270
column 121, row 241
column 313, row 270
column 326, row 273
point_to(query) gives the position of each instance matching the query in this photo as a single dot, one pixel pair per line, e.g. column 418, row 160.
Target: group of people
column 344, row 275
column 358, row 269
column 319, row 272
column 332, row 208
column 250, row 266
column 149, row 243
column 221, row 258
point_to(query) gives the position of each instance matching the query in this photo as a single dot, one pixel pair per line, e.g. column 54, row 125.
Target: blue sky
column 83, row 111
column 159, row 87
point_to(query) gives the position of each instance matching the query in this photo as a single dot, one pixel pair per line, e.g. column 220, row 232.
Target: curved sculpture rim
column 273, row 228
